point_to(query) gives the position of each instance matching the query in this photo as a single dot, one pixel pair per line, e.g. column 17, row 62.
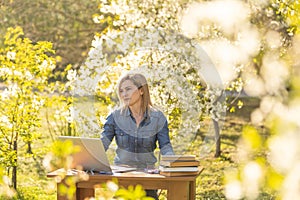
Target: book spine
column 178, row 173
column 178, row 169
column 179, row 163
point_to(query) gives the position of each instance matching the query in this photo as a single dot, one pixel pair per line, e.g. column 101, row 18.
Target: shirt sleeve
column 108, row 131
column 164, row 139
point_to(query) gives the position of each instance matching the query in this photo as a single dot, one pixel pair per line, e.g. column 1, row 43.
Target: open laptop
column 92, row 156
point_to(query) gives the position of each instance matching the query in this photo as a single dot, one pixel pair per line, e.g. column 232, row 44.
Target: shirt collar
column 128, row 113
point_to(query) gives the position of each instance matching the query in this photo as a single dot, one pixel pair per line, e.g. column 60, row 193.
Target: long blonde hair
column 140, row 82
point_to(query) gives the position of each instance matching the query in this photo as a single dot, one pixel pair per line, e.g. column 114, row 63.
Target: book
column 178, row 158
column 179, row 163
column 179, row 173
column 178, row 169
column 200, row 169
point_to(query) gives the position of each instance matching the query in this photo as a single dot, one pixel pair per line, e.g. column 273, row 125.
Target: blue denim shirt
column 136, row 145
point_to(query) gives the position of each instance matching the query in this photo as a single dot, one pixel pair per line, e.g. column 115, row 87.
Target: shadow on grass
column 230, row 140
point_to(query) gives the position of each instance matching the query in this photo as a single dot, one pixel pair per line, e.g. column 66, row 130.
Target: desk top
column 124, row 175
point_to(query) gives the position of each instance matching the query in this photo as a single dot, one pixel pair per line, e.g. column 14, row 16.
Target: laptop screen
column 91, row 157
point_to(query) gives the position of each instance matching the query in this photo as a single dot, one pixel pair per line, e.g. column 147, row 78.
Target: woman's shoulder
column 156, row 112
column 112, row 115
column 119, row 111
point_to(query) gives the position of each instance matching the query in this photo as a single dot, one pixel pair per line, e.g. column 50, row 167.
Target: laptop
column 92, row 156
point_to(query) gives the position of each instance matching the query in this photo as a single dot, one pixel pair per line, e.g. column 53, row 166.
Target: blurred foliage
column 268, row 163
column 60, row 158
column 132, row 193
column 111, row 191
column 61, row 155
column 67, row 24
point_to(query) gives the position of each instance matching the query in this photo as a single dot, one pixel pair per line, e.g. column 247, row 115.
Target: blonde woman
column 136, row 126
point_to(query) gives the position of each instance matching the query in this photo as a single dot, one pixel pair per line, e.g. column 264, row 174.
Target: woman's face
column 129, row 93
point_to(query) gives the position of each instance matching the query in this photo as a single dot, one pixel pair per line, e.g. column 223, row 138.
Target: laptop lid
column 91, row 157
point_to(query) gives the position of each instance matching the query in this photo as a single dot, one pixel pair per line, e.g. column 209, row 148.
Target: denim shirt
column 136, row 144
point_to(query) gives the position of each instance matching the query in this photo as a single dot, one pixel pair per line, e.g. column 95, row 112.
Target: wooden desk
column 178, row 188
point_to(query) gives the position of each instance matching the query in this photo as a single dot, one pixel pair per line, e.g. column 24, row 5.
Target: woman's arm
column 164, row 139
column 108, row 131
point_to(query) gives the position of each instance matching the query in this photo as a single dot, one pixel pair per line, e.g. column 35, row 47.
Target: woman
column 137, row 126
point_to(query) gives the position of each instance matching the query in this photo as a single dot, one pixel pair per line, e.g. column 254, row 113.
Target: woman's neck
column 137, row 113
column 136, row 110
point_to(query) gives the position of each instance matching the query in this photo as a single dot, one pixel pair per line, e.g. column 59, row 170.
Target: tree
column 277, row 67
column 25, row 70
column 67, row 24
column 230, row 39
column 5, row 190
column 147, row 37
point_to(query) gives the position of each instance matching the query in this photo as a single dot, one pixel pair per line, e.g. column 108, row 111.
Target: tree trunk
column 69, row 129
column 217, row 138
column 14, row 172
column 29, row 149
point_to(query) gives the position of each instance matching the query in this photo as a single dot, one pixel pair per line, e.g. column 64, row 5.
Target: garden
column 224, row 72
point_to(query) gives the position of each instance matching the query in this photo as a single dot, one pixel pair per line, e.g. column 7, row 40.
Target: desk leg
column 178, row 190
column 83, row 193
column 192, row 188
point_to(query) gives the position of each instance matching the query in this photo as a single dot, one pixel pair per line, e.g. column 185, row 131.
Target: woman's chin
column 126, row 103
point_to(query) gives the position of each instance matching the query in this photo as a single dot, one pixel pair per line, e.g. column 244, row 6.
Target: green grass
column 210, row 182
column 33, row 183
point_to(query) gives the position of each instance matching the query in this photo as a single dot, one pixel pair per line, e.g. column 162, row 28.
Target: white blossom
column 5, row 121
column 28, row 75
column 11, row 55
column 71, row 76
column 5, row 71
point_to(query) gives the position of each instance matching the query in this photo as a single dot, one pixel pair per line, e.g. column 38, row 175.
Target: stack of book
column 178, row 165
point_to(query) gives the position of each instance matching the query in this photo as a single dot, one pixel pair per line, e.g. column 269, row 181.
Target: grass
column 33, row 183
column 210, row 182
